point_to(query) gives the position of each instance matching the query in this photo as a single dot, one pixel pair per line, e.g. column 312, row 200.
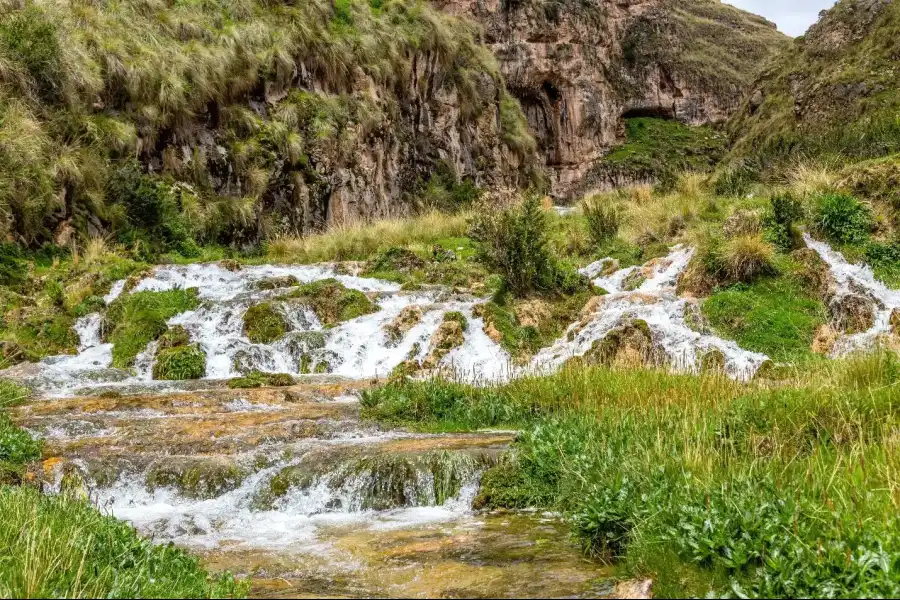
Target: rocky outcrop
column 578, row 67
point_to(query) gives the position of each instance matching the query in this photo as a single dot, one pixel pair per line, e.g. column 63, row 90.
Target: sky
column 792, row 16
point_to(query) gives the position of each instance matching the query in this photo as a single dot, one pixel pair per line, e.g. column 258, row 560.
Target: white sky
column 792, row 16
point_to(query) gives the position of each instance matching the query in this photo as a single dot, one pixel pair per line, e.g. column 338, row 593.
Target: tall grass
column 55, row 546
column 707, row 485
column 360, row 241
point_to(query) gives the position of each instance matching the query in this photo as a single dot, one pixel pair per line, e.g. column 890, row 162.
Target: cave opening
column 655, row 112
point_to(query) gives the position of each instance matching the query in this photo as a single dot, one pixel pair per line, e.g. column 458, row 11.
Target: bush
column 29, row 39
column 843, row 218
column 779, row 222
column 748, row 257
column 514, row 243
column 180, row 363
column 736, row 179
column 13, row 269
column 603, row 218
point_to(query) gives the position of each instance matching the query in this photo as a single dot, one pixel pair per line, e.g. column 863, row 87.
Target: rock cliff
column 579, row 67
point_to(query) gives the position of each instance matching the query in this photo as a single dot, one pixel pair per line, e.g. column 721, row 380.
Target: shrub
column 29, row 39
column 13, row 269
column 514, row 242
column 748, row 257
column 603, row 218
column 735, row 179
column 180, row 363
column 514, row 127
column 779, row 221
column 843, row 218
column 263, row 323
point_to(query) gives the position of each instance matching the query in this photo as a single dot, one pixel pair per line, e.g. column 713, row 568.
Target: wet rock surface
column 287, row 487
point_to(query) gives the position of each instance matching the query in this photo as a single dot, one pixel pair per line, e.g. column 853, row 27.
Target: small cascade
column 858, row 280
column 261, row 472
column 648, row 294
column 88, row 330
column 360, row 348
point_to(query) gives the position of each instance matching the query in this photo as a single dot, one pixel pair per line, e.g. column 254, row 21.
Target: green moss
column 257, row 379
column 263, row 323
column 332, row 302
column 272, row 283
column 174, row 337
column 657, row 150
column 180, row 363
column 135, row 320
column 458, row 318
column 197, row 479
column 522, row 341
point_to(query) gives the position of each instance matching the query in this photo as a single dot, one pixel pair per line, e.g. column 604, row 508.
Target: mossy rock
column 135, row 320
column 196, row 479
column 180, row 363
column 257, row 379
column 229, row 264
column 633, row 281
column 812, row 272
column 408, row 318
column 712, row 361
column 630, row 345
column 851, row 313
column 91, row 304
column 274, row 283
column 772, row 371
column 331, row 301
column 175, row 337
column 263, row 323
column 458, row 318
column 398, row 260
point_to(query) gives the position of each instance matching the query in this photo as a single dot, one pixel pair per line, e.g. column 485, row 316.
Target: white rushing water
column 858, row 279
column 361, row 348
column 654, row 301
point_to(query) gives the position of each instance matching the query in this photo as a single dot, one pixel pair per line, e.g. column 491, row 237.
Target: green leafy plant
column 843, row 218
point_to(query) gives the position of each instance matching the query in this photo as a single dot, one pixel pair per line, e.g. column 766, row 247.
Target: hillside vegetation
column 177, row 123
column 833, row 95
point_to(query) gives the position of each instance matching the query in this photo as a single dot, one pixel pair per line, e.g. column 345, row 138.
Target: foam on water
column 858, row 279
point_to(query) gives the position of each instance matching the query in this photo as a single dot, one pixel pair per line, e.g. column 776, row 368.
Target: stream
column 289, row 487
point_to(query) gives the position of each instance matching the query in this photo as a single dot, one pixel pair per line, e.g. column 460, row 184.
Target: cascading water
column 289, row 485
column 858, row 279
column 652, row 300
column 361, row 348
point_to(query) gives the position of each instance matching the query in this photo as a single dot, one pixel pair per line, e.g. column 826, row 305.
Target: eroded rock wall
column 579, row 67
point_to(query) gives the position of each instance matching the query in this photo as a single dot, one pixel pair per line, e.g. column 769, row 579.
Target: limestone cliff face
column 579, row 67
